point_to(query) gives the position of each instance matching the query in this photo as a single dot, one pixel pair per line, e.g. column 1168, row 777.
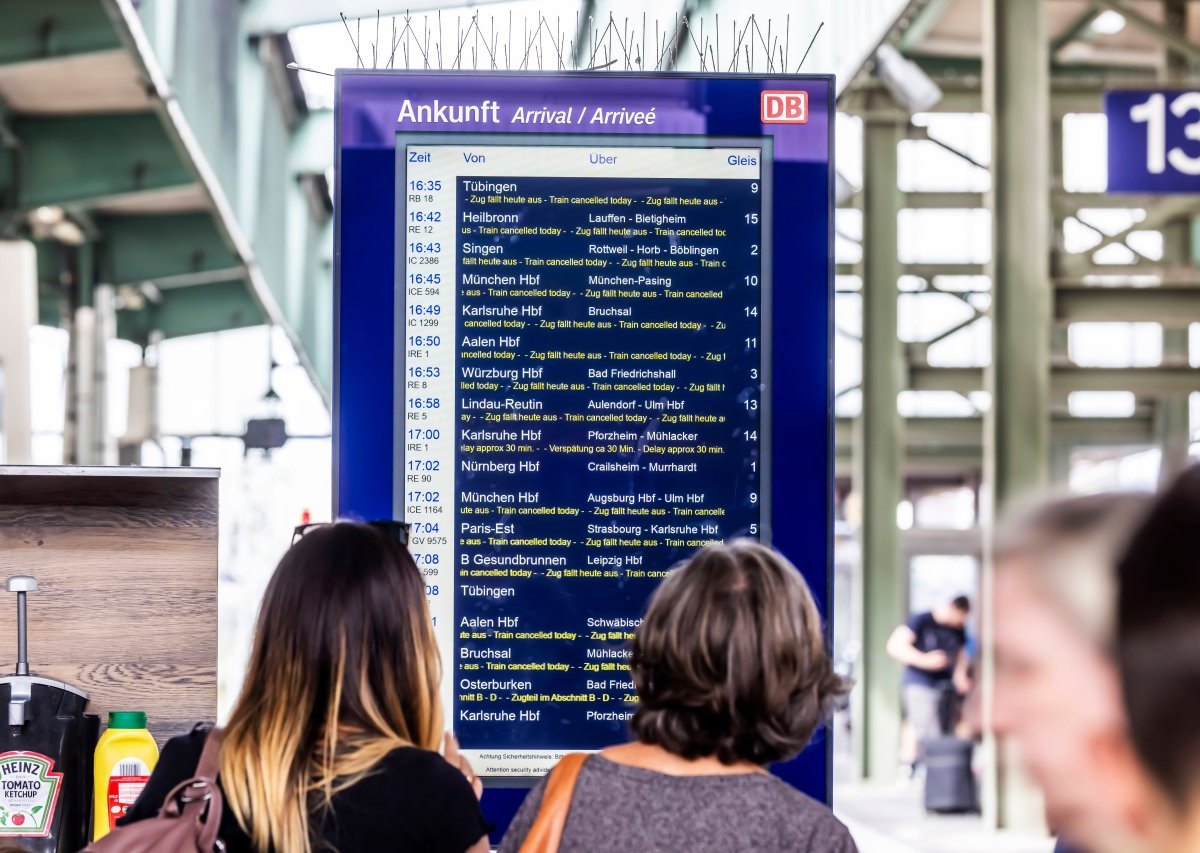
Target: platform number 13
column 1153, row 113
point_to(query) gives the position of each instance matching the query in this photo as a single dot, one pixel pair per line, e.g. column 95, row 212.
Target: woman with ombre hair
column 333, row 743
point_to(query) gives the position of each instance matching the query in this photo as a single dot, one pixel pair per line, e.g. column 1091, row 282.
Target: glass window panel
column 848, row 147
column 1114, row 253
column 849, row 405
column 925, row 315
column 1101, row 404
column 1085, row 152
column 934, row 404
column 847, row 312
column 1148, row 244
column 1093, row 472
column 933, row 236
column 968, row 132
column 946, row 509
column 1115, row 344
column 924, row 166
column 936, row 578
column 1077, row 237
column 968, row 347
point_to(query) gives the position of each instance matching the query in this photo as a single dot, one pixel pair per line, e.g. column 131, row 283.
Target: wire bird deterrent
column 482, row 42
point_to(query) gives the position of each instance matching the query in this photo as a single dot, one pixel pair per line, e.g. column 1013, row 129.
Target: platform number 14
column 1153, row 113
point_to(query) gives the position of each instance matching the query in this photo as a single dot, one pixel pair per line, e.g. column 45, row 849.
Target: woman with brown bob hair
column 333, row 742
column 731, row 674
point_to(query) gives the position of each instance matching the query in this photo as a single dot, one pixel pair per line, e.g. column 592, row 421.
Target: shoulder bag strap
column 546, row 833
column 209, row 766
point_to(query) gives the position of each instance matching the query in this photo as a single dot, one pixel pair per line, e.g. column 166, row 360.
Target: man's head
column 1159, row 641
column 1057, row 687
column 954, row 612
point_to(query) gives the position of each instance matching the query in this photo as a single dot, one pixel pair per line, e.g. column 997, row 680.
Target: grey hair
column 1070, row 547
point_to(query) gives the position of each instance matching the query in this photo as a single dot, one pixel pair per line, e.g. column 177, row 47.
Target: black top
column 930, row 636
column 414, row 801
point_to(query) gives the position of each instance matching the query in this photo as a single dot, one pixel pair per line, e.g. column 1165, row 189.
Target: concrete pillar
column 18, row 314
column 878, row 445
column 1016, row 67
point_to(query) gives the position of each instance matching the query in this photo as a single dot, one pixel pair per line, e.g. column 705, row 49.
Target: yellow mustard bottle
column 125, row 758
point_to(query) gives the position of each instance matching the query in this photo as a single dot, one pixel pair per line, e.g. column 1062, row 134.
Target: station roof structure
column 166, row 148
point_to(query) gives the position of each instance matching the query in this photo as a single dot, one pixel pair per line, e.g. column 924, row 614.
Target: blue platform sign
column 583, row 329
column 1153, row 141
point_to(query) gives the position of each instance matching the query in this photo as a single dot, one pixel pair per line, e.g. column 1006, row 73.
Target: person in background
column 1158, row 641
column 732, row 675
column 333, row 742
column 1056, row 684
column 933, row 648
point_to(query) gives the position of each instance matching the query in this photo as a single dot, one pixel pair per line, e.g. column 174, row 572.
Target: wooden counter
column 126, row 564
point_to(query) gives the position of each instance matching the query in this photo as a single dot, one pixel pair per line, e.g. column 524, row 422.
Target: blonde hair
column 344, row 669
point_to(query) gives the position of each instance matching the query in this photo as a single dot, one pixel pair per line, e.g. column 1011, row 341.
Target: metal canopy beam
column 1150, row 381
column 954, row 434
column 87, row 160
column 40, row 29
column 1171, row 306
column 137, row 249
column 1177, row 41
column 922, row 24
column 195, row 310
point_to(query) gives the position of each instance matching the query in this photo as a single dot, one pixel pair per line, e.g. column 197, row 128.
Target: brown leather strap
column 209, row 766
column 546, row 833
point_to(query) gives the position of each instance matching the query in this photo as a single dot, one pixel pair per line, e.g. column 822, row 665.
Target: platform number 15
column 1153, row 113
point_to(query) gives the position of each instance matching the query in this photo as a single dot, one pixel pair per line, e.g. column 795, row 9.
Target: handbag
column 189, row 819
column 547, row 829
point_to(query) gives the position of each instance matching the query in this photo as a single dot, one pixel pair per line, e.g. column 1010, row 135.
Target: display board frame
column 800, row 414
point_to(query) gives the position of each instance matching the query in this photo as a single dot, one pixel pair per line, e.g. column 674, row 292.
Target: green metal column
column 1061, row 448
column 878, row 445
column 1172, row 413
column 1016, row 67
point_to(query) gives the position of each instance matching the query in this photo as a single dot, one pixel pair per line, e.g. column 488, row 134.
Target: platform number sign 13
column 1153, row 141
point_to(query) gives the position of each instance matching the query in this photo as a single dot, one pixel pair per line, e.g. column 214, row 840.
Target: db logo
column 784, row 107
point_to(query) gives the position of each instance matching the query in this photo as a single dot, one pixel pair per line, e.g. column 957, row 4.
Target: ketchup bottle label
column 29, row 790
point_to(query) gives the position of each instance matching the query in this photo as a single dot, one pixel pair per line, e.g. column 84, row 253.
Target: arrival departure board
column 583, row 397
column 582, row 327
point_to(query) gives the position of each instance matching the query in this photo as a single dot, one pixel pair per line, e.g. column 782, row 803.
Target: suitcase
column 949, row 781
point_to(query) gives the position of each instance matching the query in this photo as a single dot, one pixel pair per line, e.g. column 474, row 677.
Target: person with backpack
column 933, row 648
column 334, row 740
column 731, row 674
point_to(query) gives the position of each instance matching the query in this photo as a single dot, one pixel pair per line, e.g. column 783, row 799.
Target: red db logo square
column 780, row 107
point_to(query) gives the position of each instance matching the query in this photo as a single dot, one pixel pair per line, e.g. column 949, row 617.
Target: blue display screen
column 583, row 330
column 584, row 397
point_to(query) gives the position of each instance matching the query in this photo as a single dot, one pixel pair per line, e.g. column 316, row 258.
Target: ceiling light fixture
column 1108, row 23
